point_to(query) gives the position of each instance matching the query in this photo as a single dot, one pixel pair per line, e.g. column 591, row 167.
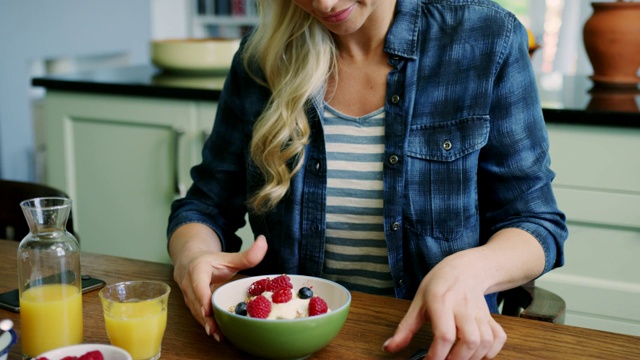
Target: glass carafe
column 50, row 282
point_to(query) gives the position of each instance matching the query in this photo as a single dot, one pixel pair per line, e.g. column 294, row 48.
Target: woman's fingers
column 254, row 255
column 473, row 338
column 211, row 268
column 410, row 324
column 234, row 262
column 499, row 339
column 445, row 333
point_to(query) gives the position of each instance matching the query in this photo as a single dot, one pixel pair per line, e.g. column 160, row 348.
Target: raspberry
column 92, row 355
column 281, row 296
column 70, row 358
column 258, row 287
column 279, row 282
column 317, row 306
column 259, row 307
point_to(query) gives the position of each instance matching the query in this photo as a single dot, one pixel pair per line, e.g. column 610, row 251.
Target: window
column 557, row 26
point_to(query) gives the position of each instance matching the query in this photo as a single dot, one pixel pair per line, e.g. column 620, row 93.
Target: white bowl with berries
column 86, row 352
column 281, row 316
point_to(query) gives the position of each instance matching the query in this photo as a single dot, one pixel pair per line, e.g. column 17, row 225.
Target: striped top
column 356, row 250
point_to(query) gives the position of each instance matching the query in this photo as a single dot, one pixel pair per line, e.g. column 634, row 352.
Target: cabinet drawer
column 599, row 207
column 599, row 281
column 595, row 157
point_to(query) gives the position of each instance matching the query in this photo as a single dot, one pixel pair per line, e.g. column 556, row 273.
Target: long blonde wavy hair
column 297, row 55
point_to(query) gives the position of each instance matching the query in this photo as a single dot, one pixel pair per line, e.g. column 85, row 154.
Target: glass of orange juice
column 135, row 316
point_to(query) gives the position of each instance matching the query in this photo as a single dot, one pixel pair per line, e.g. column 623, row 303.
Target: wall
column 38, row 33
column 170, row 19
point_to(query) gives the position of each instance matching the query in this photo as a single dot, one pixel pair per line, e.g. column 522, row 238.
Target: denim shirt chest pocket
column 442, row 167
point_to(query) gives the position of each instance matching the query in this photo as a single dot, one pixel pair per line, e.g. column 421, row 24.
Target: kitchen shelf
column 222, row 18
column 227, row 20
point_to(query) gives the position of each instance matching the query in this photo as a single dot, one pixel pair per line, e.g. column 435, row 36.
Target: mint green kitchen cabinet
column 122, row 160
column 597, row 185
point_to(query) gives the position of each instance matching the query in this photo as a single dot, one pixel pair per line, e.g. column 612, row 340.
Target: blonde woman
column 396, row 147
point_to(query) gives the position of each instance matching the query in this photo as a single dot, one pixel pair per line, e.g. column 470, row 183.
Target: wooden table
column 371, row 321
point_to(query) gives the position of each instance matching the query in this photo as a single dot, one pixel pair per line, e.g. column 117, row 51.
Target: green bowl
column 281, row 339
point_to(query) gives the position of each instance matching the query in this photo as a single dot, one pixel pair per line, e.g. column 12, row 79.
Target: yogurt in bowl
column 281, row 338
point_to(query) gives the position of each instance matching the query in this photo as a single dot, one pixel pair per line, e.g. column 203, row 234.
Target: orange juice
column 50, row 317
column 137, row 327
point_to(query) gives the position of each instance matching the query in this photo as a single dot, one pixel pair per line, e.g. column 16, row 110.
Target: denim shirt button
column 395, row 99
column 395, row 226
column 318, row 165
column 447, row 145
column 400, row 283
column 393, row 159
column 315, row 227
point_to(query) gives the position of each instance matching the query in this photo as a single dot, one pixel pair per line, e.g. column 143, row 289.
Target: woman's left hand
column 451, row 297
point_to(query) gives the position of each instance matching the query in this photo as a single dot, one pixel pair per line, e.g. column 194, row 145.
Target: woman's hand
column 199, row 264
column 451, row 297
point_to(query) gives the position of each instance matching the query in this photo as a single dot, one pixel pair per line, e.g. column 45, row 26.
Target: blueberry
column 241, row 308
column 305, row 293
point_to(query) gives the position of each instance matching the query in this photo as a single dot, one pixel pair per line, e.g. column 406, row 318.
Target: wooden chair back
column 532, row 302
column 13, row 225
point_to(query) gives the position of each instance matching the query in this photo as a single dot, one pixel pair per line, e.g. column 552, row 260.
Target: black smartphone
column 10, row 300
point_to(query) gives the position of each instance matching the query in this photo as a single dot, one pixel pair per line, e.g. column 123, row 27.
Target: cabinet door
column 120, row 159
column 598, row 187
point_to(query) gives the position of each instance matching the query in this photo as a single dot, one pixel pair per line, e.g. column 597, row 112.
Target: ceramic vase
column 612, row 41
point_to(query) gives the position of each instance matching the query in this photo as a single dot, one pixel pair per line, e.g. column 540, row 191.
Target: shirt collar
column 402, row 35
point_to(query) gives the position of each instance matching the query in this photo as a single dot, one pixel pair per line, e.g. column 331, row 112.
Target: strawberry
column 258, row 287
column 92, row 355
column 281, row 296
column 70, row 358
column 317, row 306
column 259, row 307
column 279, row 282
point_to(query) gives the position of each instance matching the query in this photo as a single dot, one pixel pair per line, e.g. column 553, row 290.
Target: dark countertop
column 565, row 98
column 141, row 80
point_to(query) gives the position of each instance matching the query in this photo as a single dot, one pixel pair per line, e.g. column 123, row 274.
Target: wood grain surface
column 372, row 319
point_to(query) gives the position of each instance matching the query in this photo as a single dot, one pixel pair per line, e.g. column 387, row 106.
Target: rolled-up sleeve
column 515, row 176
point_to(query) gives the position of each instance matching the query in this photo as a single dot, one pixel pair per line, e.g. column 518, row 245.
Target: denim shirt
column 466, row 151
